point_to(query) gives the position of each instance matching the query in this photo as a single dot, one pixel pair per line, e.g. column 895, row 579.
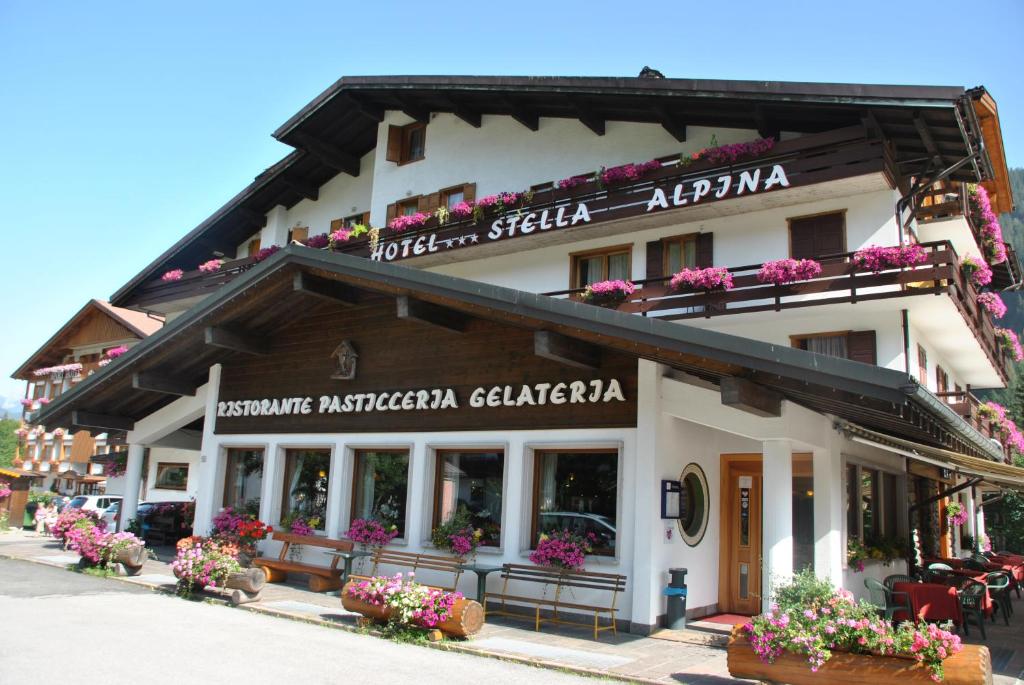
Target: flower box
column 972, row 665
column 466, row 616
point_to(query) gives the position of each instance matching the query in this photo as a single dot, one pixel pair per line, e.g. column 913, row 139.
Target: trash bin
column 675, row 593
column 28, row 522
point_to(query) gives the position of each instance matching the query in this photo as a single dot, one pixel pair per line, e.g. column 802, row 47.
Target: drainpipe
column 905, row 316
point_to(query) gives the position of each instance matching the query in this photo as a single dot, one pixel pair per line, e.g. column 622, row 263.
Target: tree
column 8, row 441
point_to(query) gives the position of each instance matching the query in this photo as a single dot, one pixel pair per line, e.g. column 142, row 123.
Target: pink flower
column 406, row 222
column 211, row 266
column 876, row 258
column 1010, row 343
column 172, row 275
column 783, row 271
column 317, row 242
column 993, row 304
column 266, row 253
column 711, row 278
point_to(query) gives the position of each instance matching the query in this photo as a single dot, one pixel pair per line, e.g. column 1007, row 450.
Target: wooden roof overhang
column 298, row 281
column 928, row 127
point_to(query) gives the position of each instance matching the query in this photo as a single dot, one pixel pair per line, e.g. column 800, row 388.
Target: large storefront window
column 471, row 483
column 873, row 504
column 803, row 512
column 306, row 474
column 380, row 486
column 577, row 491
column 243, row 480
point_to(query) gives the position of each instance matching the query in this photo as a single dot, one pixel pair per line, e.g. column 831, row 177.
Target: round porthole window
column 693, row 504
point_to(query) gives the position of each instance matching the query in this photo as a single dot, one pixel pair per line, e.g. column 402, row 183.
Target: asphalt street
column 95, row 630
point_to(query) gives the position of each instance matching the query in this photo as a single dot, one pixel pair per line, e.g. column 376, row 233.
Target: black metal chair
column 998, row 583
column 973, row 564
column 972, row 596
column 887, row 602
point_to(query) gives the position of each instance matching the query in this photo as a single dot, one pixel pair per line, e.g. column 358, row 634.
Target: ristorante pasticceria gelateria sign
column 667, row 194
column 595, row 391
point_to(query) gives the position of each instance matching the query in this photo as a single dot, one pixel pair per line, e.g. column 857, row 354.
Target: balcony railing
column 966, row 404
column 840, row 281
column 192, row 284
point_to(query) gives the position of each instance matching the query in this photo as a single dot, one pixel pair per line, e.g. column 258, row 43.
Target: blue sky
column 126, row 124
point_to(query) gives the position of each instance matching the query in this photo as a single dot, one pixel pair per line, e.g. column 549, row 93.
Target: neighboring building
column 96, row 335
column 424, row 369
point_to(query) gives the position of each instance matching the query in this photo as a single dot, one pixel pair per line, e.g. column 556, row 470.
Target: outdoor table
column 930, row 602
column 347, row 558
column 481, row 571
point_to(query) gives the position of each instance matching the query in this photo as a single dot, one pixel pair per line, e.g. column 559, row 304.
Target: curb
column 464, row 648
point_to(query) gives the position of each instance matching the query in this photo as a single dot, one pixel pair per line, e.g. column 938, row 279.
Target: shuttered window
column 858, row 346
column 605, row 265
column 449, row 197
column 406, row 143
column 299, row 233
column 668, row 256
column 254, row 247
column 812, row 237
column 922, row 366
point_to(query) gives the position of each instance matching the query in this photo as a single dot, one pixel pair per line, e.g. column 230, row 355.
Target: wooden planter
column 466, row 618
column 971, row 666
column 242, row 587
column 132, row 559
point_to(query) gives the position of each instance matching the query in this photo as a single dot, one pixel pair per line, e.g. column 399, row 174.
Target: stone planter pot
column 971, row 666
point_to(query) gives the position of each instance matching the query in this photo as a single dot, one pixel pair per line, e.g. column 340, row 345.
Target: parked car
column 111, row 512
column 97, row 503
column 164, row 523
column 602, row 527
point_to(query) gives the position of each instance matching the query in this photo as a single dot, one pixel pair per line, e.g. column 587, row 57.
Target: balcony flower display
column 627, row 172
column 343, row 235
column 408, row 221
column 211, row 266
column 995, row 413
column 116, row 467
column 172, row 275
column 408, row 602
column 813, row 621
column 782, row 271
column 877, row 258
column 605, row 293
column 727, row 154
column 710, row 278
column 21, row 433
column 317, row 242
column 461, row 210
column 58, row 433
column 371, row 533
column 1010, row 343
column 984, row 217
column 59, row 370
column 115, row 352
column 563, row 549
column 266, row 253
column 956, row 513
column 574, row 181
column 27, row 403
column 993, row 304
column 43, row 401
column 976, row 270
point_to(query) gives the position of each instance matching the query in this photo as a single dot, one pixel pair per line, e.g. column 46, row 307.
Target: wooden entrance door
column 739, row 571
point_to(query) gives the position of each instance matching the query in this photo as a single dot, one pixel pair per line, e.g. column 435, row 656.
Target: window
column 471, row 482
column 680, row 252
column 858, row 346
column 306, row 474
column 406, row 143
column 299, row 233
column 449, row 197
column 922, row 366
column 592, row 267
column 254, row 247
column 852, row 495
column 693, row 505
column 171, row 477
column 941, row 380
column 869, row 503
column 380, row 485
column 408, row 207
column 803, row 512
column 243, row 479
column 812, row 237
column 577, row 490
column 873, row 503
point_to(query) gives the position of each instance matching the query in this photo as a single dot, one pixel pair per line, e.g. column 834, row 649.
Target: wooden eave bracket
column 759, row 400
column 671, row 123
column 157, row 382
column 301, row 186
column 325, row 289
column 88, row 419
column 430, row 314
column 330, row 154
column 566, row 350
column 229, row 339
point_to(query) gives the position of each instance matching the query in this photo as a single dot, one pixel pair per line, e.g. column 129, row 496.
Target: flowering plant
column 877, row 258
column 172, row 275
column 113, row 543
column 727, row 154
column 856, row 553
column 203, row 563
column 318, row 241
column 86, row 537
column 781, row 271
column 563, row 549
column 977, row 270
column 457, row 535
column 21, row 432
column 1010, row 343
column 993, row 304
column 343, row 235
column 574, row 181
column 1007, row 429
column 461, row 210
column 608, row 292
column 67, row 520
column 956, row 513
column 5, row 489
column 116, row 467
column 230, row 525
column 58, row 432
column 60, row 369
column 27, row 402
column 815, row 629
column 405, row 222
column 710, row 278
column 985, row 543
column 211, row 266
column 627, row 172
column 115, row 352
column 265, row 253
column 371, row 532
column 303, row 526
column 409, row 602
column 985, row 219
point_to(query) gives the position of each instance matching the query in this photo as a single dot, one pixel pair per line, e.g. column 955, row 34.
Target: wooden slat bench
column 561, row 580
column 417, row 562
column 321, row 578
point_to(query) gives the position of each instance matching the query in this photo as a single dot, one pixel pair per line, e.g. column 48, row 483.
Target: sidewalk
column 682, row 657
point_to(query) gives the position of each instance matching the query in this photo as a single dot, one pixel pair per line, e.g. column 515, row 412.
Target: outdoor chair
column 897, row 578
column 936, row 570
column 886, row 601
column 998, row 584
column 973, row 564
column 972, row 595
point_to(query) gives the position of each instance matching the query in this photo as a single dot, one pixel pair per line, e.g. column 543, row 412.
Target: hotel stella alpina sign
column 666, row 194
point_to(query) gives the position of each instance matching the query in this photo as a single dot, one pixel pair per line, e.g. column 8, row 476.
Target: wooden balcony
column 193, row 284
column 967, row 405
column 840, row 281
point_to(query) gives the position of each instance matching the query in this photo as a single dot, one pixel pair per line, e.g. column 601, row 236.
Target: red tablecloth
column 930, row 601
column 1010, row 565
column 980, row 576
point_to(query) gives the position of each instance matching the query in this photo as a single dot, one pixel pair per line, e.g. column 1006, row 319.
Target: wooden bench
column 321, row 578
column 416, row 562
column 562, row 580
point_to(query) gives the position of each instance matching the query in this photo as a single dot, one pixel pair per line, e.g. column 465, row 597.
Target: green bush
column 805, row 591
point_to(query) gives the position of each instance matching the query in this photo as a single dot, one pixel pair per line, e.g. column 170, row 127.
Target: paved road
column 95, row 630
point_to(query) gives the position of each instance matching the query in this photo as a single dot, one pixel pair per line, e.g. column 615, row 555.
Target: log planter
column 242, row 587
column 132, row 558
column 971, row 666
column 466, row 619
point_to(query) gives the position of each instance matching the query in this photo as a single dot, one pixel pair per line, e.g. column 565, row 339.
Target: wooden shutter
column 365, row 219
column 337, row 224
column 299, row 233
column 254, row 247
column 392, row 209
column 469, row 192
column 801, row 239
column 860, row 347
column 814, row 236
column 394, row 151
column 705, row 250
column 655, row 259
